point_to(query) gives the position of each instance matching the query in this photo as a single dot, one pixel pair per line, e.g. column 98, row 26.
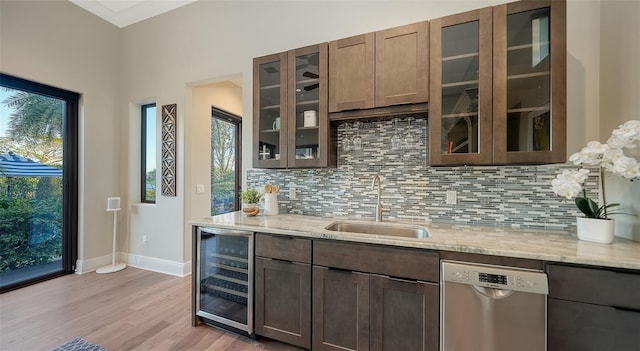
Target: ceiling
column 125, row 12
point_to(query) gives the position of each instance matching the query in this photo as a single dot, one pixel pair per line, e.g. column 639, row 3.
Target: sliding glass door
column 38, row 182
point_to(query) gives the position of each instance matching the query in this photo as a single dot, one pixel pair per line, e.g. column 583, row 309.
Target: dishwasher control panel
column 497, row 277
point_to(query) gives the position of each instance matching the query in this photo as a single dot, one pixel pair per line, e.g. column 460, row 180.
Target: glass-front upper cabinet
column 529, row 82
column 269, row 111
column 308, row 123
column 460, row 110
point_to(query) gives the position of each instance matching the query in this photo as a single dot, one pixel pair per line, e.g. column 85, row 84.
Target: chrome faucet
column 379, row 209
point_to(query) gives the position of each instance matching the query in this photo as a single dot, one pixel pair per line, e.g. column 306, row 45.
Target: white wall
column 60, row 44
column 620, row 98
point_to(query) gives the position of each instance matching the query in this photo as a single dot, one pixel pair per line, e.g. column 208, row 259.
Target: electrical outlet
column 292, row 194
column 144, row 240
column 199, row 188
column 452, row 197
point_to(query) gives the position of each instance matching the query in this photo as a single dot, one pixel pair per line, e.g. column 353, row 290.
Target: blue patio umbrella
column 12, row 165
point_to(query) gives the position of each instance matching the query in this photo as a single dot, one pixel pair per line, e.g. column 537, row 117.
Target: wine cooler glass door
column 225, row 277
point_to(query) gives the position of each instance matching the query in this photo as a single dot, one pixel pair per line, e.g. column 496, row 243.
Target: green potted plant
column 250, row 198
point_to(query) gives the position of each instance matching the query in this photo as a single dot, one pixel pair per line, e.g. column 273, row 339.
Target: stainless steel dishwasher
column 493, row 308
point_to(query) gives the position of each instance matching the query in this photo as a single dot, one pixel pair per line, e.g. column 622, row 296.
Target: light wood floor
column 132, row 309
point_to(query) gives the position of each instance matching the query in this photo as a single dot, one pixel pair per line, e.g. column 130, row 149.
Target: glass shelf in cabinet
column 529, row 75
column 461, row 56
column 457, row 84
column 267, row 87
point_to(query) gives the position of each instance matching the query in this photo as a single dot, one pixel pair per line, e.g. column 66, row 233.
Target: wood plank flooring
column 132, row 309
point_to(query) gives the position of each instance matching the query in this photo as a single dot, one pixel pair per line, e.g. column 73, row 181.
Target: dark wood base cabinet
column 283, row 301
column 583, row 327
column 283, row 289
column 593, row 309
column 404, row 314
column 340, row 310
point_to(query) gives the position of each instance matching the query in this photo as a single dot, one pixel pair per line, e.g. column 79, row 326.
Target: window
column 38, row 182
column 148, row 154
column 225, row 161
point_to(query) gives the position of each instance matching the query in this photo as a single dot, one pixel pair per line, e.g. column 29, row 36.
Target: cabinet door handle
column 340, row 270
column 402, row 280
column 627, row 309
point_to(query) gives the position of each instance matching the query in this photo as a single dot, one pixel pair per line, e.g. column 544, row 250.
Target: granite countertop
column 521, row 243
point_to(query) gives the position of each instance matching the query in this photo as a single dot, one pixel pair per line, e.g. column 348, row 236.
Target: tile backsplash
column 513, row 196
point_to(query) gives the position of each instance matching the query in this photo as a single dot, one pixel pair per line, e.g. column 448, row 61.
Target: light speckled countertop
column 520, row 243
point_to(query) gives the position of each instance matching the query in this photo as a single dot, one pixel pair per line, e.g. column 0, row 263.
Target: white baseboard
column 90, row 265
column 159, row 265
column 143, row 262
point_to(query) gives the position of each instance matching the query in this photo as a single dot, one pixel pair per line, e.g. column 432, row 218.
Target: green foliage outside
column 150, row 191
column 223, row 182
column 31, row 207
column 31, row 227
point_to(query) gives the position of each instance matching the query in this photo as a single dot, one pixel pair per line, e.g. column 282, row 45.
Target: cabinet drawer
column 584, row 327
column 396, row 262
column 283, row 248
column 593, row 285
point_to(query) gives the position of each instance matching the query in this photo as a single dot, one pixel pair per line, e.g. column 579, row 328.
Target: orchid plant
column 606, row 157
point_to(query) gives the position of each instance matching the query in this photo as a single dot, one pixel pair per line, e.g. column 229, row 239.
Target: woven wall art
column 169, row 150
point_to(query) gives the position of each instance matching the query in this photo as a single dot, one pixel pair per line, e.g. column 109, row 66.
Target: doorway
column 226, row 137
column 38, row 182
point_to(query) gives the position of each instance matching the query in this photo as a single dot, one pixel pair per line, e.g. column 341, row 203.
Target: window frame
column 143, row 153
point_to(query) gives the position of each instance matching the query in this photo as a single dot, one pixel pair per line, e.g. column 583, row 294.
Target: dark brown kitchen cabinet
column 402, row 65
column 498, row 85
column 269, row 111
column 381, row 69
column 351, row 73
column 290, row 118
column 529, row 82
column 283, row 289
column 359, row 304
column 593, row 309
column 340, row 310
column 404, row 314
column 460, row 101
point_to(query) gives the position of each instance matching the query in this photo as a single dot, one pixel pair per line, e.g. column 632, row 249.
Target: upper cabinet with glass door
column 269, row 110
column 460, row 110
column 308, row 123
column 529, row 82
column 498, row 85
column 291, row 126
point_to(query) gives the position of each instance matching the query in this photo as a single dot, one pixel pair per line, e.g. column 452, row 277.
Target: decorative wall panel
column 169, row 150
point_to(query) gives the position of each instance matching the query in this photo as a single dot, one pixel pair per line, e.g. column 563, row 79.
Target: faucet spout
column 377, row 181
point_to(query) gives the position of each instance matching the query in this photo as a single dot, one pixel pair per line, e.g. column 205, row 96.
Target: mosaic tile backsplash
column 513, row 196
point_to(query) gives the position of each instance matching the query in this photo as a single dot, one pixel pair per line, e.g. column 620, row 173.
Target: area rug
column 77, row 344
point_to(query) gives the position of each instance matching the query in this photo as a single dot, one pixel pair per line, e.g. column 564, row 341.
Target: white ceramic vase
column 270, row 204
column 595, row 230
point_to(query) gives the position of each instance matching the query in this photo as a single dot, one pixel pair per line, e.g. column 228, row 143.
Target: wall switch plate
column 199, row 188
column 292, row 194
column 452, row 197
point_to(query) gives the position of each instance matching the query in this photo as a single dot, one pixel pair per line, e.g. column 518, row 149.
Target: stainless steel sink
column 389, row 229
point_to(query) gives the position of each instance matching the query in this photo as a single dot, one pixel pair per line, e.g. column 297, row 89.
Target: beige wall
column 620, row 98
column 172, row 58
column 59, row 44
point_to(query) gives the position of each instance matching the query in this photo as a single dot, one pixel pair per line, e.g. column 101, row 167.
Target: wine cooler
column 224, row 278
